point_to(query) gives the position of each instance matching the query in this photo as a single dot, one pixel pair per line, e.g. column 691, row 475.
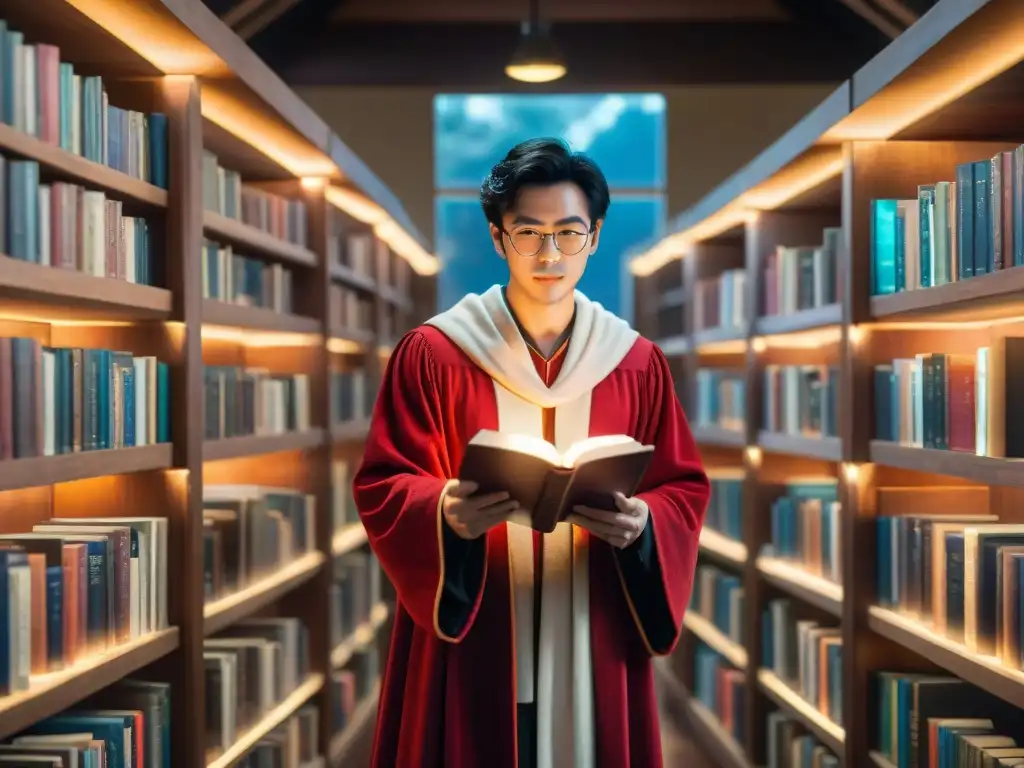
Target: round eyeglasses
column 530, row 242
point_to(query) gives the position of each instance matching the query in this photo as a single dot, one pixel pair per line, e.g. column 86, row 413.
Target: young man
column 512, row 648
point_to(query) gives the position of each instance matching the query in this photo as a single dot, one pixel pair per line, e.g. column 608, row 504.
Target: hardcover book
column 547, row 483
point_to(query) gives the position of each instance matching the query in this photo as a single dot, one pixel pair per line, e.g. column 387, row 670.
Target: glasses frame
column 543, row 238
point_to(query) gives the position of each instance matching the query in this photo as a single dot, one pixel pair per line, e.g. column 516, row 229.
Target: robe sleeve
column 657, row 570
column 399, row 488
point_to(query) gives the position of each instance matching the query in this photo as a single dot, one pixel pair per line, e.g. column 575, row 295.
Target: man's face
column 547, row 240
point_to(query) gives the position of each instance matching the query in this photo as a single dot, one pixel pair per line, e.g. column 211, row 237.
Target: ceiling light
column 536, row 59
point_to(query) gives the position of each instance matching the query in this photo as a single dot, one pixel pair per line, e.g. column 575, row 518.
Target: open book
column 549, row 484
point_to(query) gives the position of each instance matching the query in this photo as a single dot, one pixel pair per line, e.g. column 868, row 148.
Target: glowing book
column 549, row 484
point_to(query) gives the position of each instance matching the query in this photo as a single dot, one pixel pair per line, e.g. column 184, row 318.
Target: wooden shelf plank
column 796, row 322
column 357, row 728
column 723, row 547
column 47, row 470
column 351, row 537
column 255, row 445
column 986, row 297
column 275, row 717
column 350, row 431
column 827, row 732
column 881, row 760
column 49, row 293
column 980, row 469
column 222, row 313
column 355, row 337
column 55, row 692
column 227, row 610
column 716, row 639
column 824, row 448
column 675, row 345
column 393, row 296
column 719, row 436
column 714, row 341
column 75, row 168
column 806, row 586
column 364, row 633
column 983, row 671
column 342, row 273
column 255, row 241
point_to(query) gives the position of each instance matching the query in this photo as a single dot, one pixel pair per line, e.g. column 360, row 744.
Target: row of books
column 344, row 512
column 801, row 399
column 350, row 309
column 802, row 277
column 253, row 401
column 953, row 230
column 805, row 655
column 954, row 402
column 246, row 281
column 353, row 685
column 293, row 743
column 44, row 97
column 721, row 398
column 721, row 301
column 790, row 746
column 355, row 592
column 718, row 596
column 358, row 251
column 251, row 531
column 959, row 573
column 125, row 725
column 224, row 193
column 352, row 395
column 722, row 689
column 250, row 668
column 929, row 720
column 806, row 525
column 73, row 587
column 725, row 507
column 65, row 225
column 57, row 400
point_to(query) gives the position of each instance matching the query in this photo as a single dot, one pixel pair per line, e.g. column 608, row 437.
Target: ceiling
column 622, row 44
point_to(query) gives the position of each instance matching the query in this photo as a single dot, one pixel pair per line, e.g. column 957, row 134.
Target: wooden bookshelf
column 907, row 118
column 178, row 59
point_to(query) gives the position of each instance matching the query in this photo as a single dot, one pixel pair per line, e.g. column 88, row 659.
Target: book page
column 599, row 447
column 532, row 446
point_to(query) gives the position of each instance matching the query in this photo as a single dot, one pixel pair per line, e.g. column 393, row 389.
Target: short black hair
column 541, row 162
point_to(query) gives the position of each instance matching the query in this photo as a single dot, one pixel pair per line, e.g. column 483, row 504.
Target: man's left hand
column 619, row 527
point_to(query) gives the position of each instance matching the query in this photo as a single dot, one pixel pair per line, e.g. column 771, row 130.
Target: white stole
column 559, row 679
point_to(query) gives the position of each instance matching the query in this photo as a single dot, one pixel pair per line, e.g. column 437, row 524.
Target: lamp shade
column 536, row 59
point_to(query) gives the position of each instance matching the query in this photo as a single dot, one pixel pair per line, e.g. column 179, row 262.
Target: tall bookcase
column 174, row 57
column 907, row 118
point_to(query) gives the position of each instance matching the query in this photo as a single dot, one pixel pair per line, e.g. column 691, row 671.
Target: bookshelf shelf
column 352, row 536
column 984, row 671
column 220, row 313
column 49, row 293
column 361, row 720
column 823, row 448
column 798, row 322
column 254, row 241
column 229, row 609
column 715, row 739
column 719, row 436
column 807, row 586
column 364, row 633
column 310, row 688
column 716, row 639
column 881, row 760
column 979, row 469
column 255, row 445
column 344, row 274
column 675, row 345
column 830, row 734
column 349, row 431
column 354, row 339
column 61, row 163
column 49, row 470
column 723, row 547
column 985, row 297
column 57, row 691
column 713, row 341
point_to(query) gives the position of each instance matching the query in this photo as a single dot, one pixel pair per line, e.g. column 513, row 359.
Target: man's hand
column 619, row 527
column 472, row 516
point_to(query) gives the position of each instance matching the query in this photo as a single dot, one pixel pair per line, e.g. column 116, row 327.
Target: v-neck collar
column 560, row 343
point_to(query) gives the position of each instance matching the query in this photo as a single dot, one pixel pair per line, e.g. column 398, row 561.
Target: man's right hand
column 472, row 516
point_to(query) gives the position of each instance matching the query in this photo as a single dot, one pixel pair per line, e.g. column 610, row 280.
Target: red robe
column 448, row 698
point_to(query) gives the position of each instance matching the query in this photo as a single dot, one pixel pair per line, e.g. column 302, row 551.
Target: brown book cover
column 549, row 484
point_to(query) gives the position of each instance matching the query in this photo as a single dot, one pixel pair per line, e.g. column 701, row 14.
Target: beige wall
column 713, row 131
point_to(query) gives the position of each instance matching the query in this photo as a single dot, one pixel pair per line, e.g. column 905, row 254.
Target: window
column 624, row 133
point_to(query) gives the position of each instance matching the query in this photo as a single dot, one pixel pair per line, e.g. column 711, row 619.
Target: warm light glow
column 539, row 72
column 758, row 344
column 341, row 346
column 265, row 339
column 811, row 170
column 730, row 347
column 857, row 334
column 939, row 325
column 731, row 216
column 42, row 319
column 313, row 183
column 387, row 229
column 851, row 472
column 384, row 351
column 993, row 38
column 816, row 337
column 754, row 456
